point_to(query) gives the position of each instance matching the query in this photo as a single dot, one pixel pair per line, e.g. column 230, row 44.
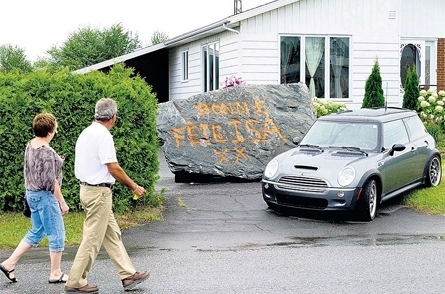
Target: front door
column 412, row 53
column 422, row 54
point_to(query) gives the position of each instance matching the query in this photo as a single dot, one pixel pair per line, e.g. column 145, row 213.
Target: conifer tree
column 411, row 93
column 373, row 89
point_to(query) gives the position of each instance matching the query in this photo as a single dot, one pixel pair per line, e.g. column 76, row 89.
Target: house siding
column 376, row 30
column 373, row 36
column 422, row 19
column 229, row 64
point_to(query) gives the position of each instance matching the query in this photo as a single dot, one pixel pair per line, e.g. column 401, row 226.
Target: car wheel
column 434, row 172
column 369, row 200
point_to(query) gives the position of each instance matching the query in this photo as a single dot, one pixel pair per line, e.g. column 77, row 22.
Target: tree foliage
column 88, row 46
column 411, row 94
column 373, row 89
column 14, row 58
column 71, row 98
column 158, row 37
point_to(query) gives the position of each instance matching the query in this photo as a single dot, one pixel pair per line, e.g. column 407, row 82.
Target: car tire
column 368, row 207
column 434, row 172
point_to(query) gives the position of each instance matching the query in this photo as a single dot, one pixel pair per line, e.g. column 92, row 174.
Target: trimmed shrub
column 373, row 89
column 71, row 98
column 411, row 90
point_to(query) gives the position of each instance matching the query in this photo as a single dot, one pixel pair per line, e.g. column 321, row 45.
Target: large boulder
column 235, row 131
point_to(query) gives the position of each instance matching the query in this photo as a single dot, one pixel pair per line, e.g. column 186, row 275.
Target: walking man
column 97, row 169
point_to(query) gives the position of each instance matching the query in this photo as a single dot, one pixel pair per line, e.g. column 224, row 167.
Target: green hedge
column 71, row 98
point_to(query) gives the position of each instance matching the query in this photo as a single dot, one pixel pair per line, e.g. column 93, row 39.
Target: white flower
column 440, row 102
column 438, row 108
column 431, row 99
column 424, row 104
column 422, row 93
column 421, row 98
column 442, row 93
column 431, row 116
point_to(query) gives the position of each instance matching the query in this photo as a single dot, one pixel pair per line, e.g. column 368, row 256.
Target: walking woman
column 43, row 181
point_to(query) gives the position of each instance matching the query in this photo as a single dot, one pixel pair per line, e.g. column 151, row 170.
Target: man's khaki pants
column 99, row 228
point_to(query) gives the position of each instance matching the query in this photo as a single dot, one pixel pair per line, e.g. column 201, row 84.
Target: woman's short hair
column 43, row 124
column 105, row 109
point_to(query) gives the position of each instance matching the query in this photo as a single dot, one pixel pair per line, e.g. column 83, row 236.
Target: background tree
column 158, row 37
column 13, row 57
column 88, row 46
column 411, row 94
column 373, row 89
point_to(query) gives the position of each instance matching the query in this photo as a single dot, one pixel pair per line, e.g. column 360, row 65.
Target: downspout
column 229, row 29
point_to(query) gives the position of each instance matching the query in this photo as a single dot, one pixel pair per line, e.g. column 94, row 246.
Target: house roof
column 211, row 29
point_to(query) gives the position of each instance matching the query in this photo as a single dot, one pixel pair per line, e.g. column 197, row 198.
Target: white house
column 331, row 45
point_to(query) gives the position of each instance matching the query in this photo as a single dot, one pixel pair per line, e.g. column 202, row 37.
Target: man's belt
column 108, row 185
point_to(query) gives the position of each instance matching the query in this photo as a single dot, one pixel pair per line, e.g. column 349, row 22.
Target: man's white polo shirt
column 94, row 149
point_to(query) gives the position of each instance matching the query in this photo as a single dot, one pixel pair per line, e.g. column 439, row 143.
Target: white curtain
column 288, row 47
column 338, row 51
column 286, row 51
column 337, row 65
column 314, row 53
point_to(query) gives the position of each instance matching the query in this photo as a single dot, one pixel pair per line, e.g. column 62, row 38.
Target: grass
column 429, row 200
column 15, row 225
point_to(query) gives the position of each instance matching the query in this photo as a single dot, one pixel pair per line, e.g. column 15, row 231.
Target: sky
column 36, row 26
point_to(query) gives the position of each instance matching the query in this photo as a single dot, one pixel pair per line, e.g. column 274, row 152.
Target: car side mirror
column 296, row 140
column 396, row 147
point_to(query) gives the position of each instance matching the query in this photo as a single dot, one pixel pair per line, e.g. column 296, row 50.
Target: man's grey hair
column 105, row 109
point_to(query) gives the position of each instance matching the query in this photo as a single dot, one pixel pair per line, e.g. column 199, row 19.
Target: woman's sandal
column 7, row 273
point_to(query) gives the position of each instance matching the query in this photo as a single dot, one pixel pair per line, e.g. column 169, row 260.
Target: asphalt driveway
column 221, row 238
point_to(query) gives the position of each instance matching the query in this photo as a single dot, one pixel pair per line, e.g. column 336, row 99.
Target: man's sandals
column 7, row 273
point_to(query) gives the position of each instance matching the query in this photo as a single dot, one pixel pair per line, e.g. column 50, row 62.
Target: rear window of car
column 416, row 128
column 394, row 132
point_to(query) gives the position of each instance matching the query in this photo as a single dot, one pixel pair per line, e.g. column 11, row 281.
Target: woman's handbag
column 26, row 209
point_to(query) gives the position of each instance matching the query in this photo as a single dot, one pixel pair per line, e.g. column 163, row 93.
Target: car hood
column 325, row 163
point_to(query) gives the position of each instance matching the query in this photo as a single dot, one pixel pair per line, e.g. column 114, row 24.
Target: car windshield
column 342, row 134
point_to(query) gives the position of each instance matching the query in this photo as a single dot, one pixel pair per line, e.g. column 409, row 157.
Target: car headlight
column 271, row 168
column 346, row 176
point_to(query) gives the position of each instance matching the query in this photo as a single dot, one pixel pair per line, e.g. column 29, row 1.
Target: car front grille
column 302, row 182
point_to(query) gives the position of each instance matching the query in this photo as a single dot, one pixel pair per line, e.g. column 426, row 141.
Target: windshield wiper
column 350, row 148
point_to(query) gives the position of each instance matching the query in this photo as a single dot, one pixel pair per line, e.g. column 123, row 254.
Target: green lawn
column 15, row 225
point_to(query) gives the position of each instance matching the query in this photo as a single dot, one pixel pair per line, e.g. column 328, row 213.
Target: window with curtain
column 339, row 67
column 314, row 57
column 290, row 59
column 210, row 62
column 322, row 62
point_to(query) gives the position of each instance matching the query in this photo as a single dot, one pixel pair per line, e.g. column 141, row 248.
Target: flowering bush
column 324, row 107
column 232, row 81
column 431, row 111
column 431, row 106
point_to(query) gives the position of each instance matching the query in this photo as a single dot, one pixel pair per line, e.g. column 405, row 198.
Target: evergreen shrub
column 411, row 90
column 373, row 89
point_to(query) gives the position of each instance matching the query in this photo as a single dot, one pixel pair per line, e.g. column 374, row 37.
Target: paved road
column 221, row 238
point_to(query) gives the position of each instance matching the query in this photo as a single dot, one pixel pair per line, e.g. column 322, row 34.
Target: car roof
column 380, row 114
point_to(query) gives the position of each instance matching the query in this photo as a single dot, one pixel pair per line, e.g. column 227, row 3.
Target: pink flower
column 232, row 81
